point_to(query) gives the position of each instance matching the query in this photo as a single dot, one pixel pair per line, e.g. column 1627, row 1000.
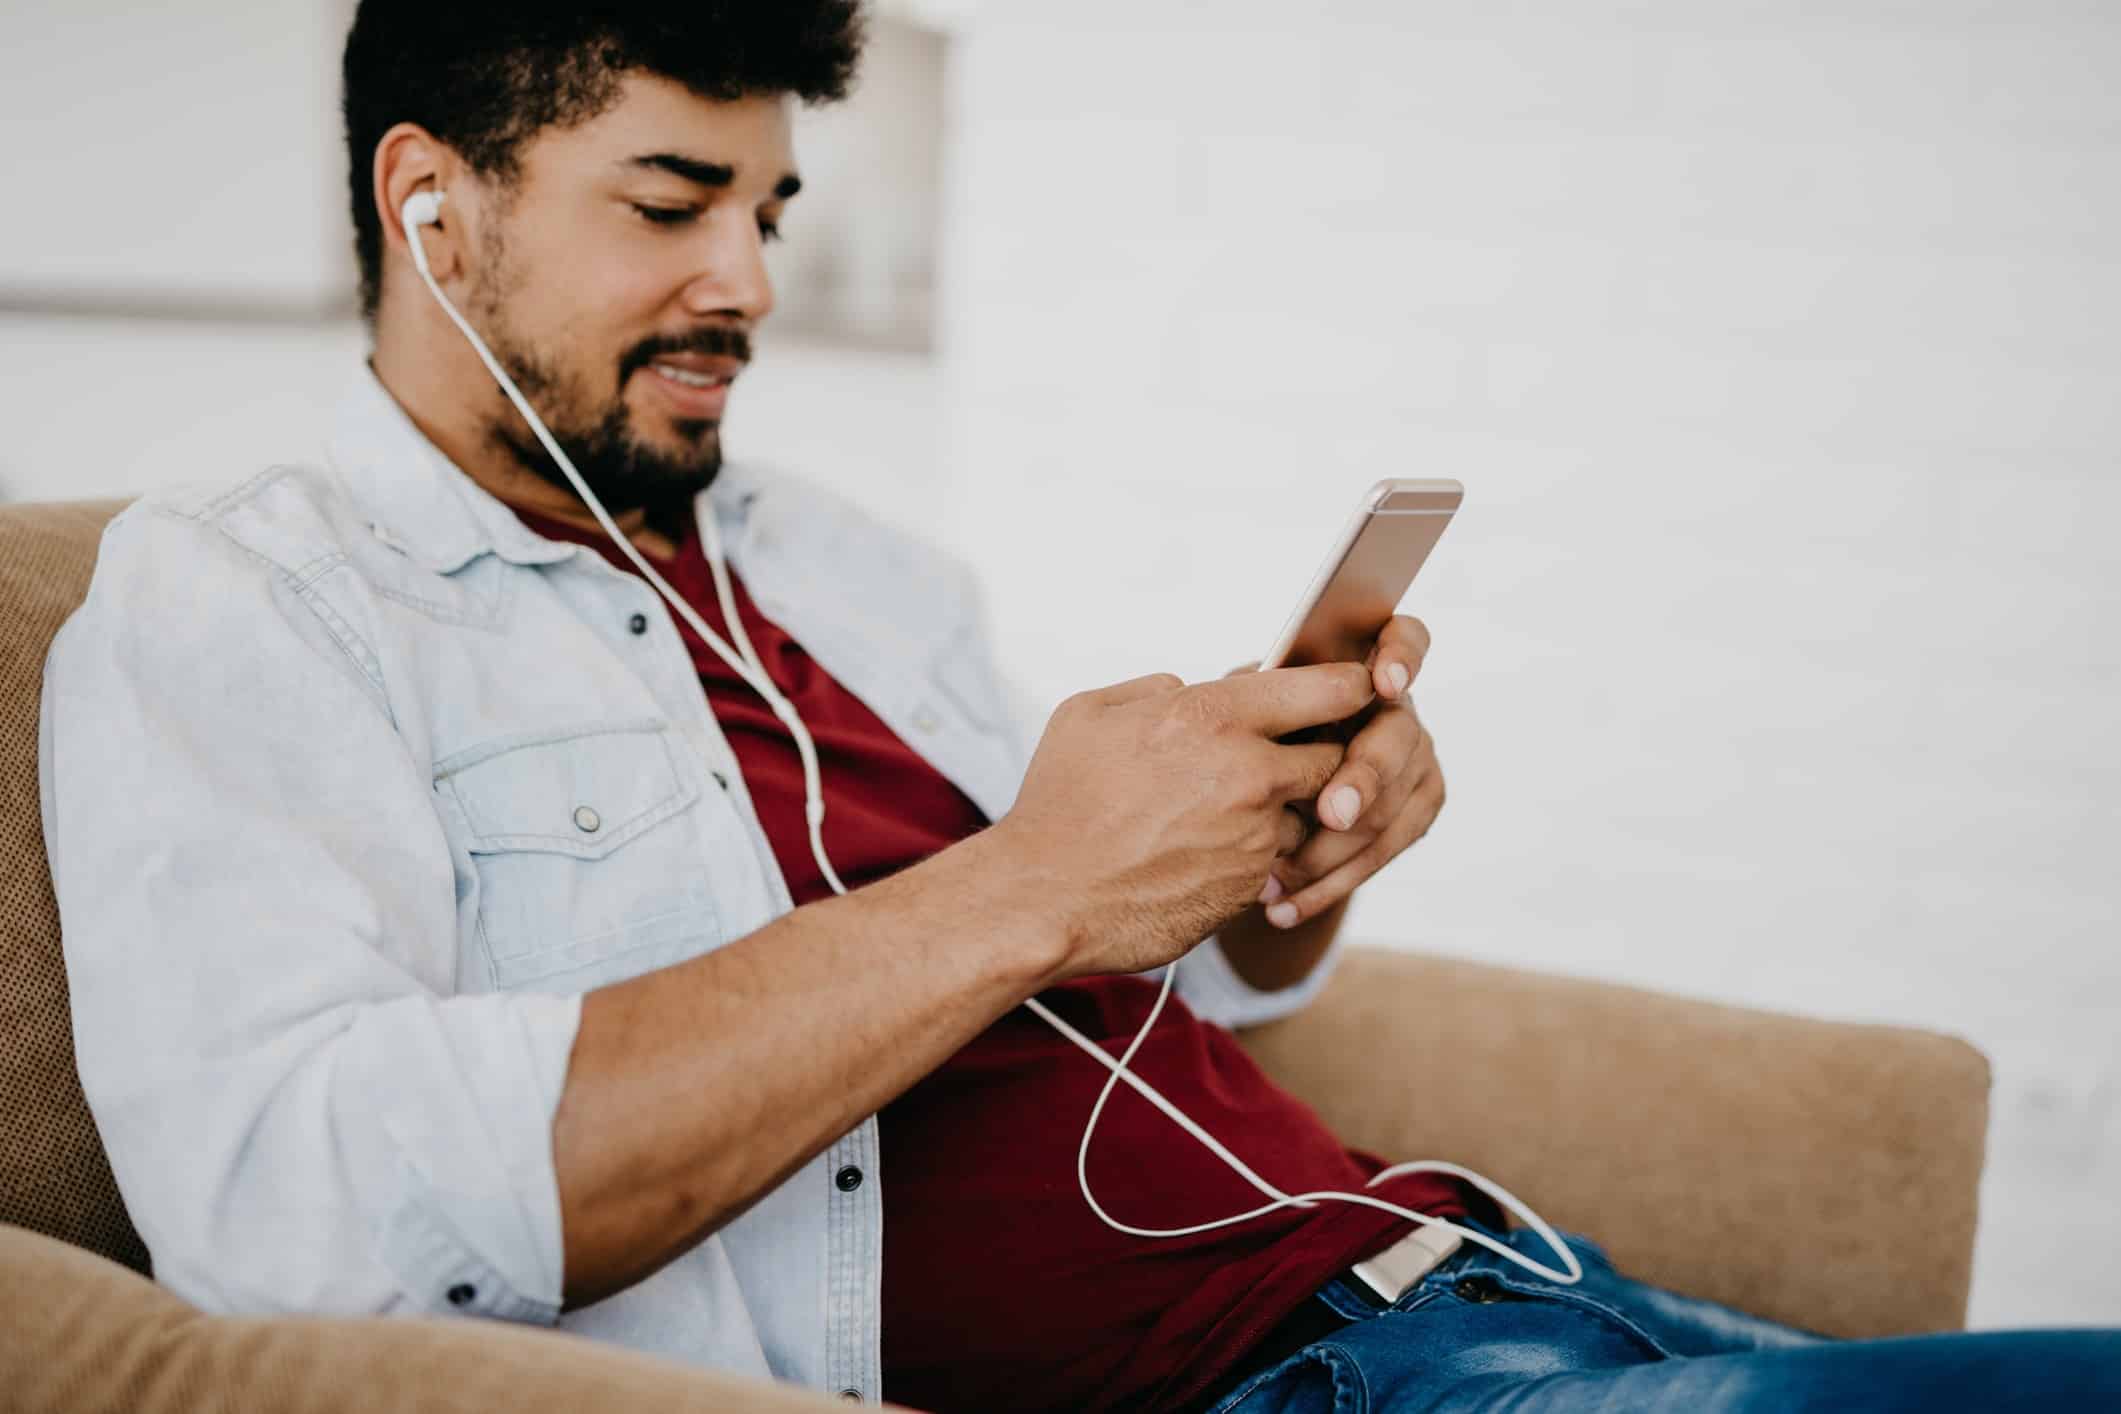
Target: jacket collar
column 416, row 499
column 422, row 504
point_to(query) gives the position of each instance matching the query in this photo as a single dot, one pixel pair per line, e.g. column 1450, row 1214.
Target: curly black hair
column 486, row 77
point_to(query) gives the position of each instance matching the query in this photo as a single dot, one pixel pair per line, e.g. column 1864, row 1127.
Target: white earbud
column 422, row 208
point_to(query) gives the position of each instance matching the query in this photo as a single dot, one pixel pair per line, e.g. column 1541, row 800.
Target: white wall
column 1777, row 645
column 160, row 151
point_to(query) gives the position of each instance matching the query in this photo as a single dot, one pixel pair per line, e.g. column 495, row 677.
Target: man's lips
column 694, row 384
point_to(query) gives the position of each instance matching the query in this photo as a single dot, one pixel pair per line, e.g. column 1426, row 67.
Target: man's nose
column 732, row 279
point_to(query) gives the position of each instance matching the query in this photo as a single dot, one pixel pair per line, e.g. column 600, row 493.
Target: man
column 440, row 916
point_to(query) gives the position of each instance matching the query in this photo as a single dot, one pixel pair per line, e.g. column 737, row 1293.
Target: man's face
column 619, row 278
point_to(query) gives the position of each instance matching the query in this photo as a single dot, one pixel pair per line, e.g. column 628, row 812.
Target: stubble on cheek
column 631, row 454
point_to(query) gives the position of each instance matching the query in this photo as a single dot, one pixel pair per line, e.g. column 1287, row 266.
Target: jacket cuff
column 1212, row 988
column 468, row 1217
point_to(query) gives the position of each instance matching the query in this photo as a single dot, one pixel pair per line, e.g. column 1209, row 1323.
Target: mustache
column 717, row 339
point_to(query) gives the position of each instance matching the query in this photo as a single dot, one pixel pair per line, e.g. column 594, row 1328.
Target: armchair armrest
column 84, row 1334
column 1812, row 1172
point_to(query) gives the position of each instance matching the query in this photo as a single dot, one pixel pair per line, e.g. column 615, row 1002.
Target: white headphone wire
column 745, row 663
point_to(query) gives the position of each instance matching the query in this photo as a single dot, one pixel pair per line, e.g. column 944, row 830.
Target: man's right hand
column 1153, row 808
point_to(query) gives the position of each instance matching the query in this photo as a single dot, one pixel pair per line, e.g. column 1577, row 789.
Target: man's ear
column 410, row 159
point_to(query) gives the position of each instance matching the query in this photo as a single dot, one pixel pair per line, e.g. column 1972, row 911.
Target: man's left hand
column 1384, row 797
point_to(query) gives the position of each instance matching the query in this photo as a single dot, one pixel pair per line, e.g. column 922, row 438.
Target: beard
column 593, row 425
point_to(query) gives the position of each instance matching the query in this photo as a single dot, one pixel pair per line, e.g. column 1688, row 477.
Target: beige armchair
column 1823, row 1174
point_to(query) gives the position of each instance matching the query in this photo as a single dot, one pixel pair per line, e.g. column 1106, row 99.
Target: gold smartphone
column 1358, row 589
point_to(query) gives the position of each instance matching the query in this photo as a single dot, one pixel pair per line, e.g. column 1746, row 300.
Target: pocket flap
column 582, row 790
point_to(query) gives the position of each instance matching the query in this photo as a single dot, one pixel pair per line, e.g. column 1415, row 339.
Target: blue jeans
column 1480, row 1333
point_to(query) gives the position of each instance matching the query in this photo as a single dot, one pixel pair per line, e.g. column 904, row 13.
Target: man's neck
column 417, row 380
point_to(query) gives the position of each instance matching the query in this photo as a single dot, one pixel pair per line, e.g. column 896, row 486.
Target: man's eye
column 666, row 215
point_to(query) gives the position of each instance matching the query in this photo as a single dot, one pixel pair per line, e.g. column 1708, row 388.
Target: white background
column 1778, row 644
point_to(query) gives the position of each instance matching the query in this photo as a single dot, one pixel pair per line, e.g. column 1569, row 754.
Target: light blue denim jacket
column 315, row 752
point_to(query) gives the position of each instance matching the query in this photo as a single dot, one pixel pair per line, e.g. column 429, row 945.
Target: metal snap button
column 1478, row 1289
column 638, row 623
column 463, row 1294
column 587, row 820
column 848, row 1179
column 852, row 1396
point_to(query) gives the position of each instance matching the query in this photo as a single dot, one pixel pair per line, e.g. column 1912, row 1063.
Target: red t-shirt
column 1000, row 1287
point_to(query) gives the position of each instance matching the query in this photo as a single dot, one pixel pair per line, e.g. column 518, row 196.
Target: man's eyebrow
column 710, row 174
column 692, row 169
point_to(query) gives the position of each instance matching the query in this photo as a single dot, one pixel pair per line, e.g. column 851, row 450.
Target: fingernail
column 1396, row 674
column 1272, row 891
column 1282, row 914
column 1347, row 804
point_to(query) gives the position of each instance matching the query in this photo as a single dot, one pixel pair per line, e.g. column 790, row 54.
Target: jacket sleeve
column 1216, row 993
column 256, row 898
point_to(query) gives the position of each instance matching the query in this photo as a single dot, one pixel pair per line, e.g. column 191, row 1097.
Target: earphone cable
column 422, row 209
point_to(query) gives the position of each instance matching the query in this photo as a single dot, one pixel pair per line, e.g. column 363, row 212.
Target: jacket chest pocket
column 588, row 870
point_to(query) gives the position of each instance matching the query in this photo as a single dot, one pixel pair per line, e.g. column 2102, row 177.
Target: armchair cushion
column 1817, row 1173
column 54, row 1177
column 84, row 1334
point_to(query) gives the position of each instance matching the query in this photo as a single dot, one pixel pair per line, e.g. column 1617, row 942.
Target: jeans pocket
column 1319, row 1379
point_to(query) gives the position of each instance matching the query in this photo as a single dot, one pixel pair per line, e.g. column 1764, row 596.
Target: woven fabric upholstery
column 79, row 1335
column 1814, row 1172
column 54, row 1177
